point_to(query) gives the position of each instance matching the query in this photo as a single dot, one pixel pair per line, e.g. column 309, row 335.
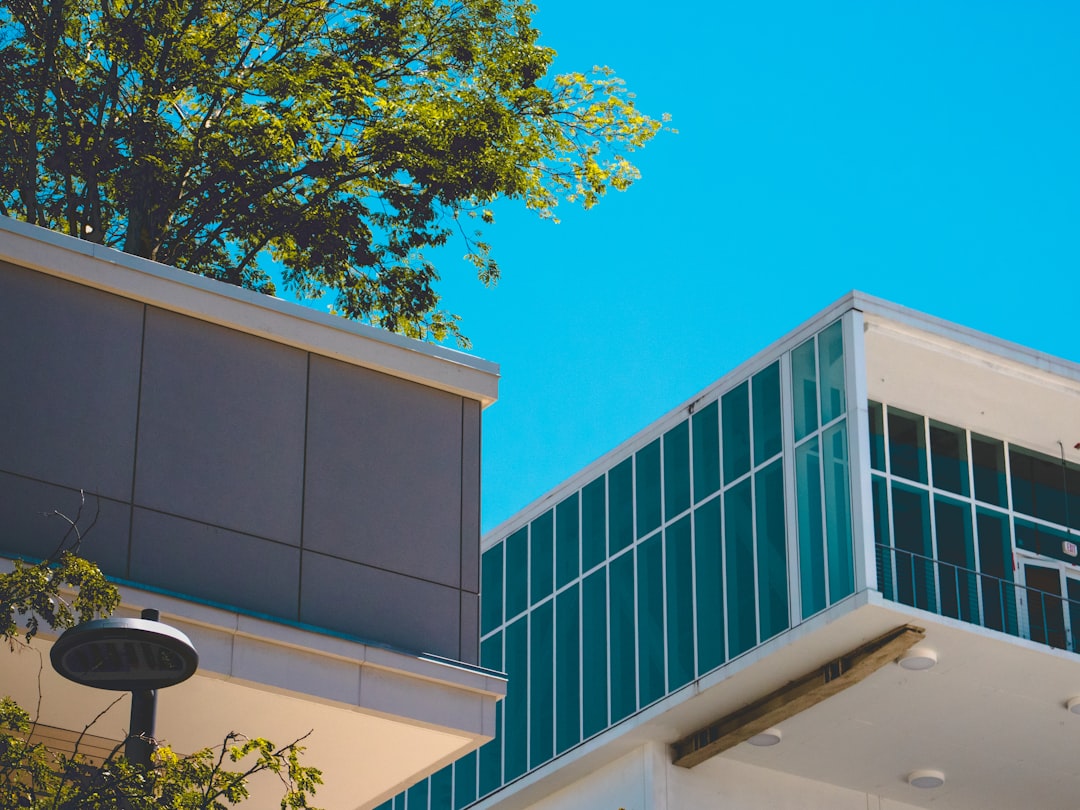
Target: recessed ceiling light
column 770, row 736
column 918, row 659
column 1073, row 705
column 926, row 779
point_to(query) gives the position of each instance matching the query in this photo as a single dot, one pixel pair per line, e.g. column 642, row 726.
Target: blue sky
column 923, row 152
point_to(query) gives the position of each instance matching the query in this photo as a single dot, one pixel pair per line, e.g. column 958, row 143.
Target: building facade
column 858, row 550
column 297, row 493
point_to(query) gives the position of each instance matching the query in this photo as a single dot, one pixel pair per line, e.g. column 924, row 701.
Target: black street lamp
column 128, row 655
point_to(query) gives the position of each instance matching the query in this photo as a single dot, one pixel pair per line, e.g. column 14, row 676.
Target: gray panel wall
column 237, row 470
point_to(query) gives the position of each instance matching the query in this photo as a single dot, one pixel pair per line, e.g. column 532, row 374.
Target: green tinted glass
column 677, row 470
column 709, row 574
column 804, row 388
column 647, row 492
column 623, row 658
column 621, row 506
column 706, row 430
column 593, row 524
column 567, row 541
column 771, row 550
column 914, row 570
column 678, row 567
column 567, row 665
column 735, row 416
column 541, row 684
column 948, row 458
column 517, row 572
column 491, row 592
column 739, row 559
column 465, row 781
column 811, row 528
column 541, row 556
column 838, row 512
column 988, row 470
column 516, row 735
column 995, row 561
column 594, row 653
column 418, row 796
column 907, row 446
column 831, row 370
column 956, row 552
column 650, row 619
column 877, row 437
column 439, row 792
column 766, row 397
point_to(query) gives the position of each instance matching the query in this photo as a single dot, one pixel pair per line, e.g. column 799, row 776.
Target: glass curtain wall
column 975, row 528
column 670, row 563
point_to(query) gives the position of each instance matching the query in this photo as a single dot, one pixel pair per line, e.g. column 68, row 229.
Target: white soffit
column 970, row 380
column 378, row 719
column 224, row 304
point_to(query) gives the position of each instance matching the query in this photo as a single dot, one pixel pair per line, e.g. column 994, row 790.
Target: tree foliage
column 58, row 591
column 342, row 138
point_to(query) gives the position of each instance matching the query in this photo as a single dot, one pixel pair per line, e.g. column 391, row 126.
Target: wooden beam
column 794, row 697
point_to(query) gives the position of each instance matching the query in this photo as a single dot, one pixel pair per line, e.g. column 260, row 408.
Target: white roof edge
column 914, row 320
column 854, row 300
column 159, row 285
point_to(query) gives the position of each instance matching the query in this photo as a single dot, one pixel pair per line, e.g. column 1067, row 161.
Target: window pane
column 567, row 664
column 877, row 437
column 680, row 604
column 766, row 396
column 956, row 552
column 995, row 561
column 882, row 537
column 593, row 522
column 516, row 734
column 623, row 661
column 621, row 506
column 988, row 470
column 650, row 619
column 465, row 781
column 517, row 572
column 1038, row 488
column 594, row 650
column 418, row 796
column 709, row 572
column 567, row 541
column 491, row 656
column 1045, row 542
column 541, row 684
column 541, row 556
column 831, row 365
column 1046, row 621
column 907, row 446
column 735, row 410
column 838, row 512
column 811, row 530
column 948, row 456
column 804, row 388
column 739, row 560
column 491, row 595
column 706, row 451
column 771, row 550
column 677, row 470
column 648, row 488
column 911, row 536
column 441, row 783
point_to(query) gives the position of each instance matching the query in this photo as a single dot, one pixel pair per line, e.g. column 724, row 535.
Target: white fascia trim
column 426, row 691
column 168, row 288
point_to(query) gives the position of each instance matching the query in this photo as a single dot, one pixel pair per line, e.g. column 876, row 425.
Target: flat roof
column 159, row 285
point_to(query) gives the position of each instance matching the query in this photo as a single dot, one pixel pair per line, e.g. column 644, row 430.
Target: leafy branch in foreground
column 59, row 591
column 339, row 138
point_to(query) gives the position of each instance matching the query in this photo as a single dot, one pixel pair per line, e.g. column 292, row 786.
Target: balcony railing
column 961, row 593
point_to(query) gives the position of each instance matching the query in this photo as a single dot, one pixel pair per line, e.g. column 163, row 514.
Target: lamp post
column 128, row 655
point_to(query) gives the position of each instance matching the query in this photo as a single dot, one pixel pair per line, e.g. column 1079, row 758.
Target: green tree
column 342, row 138
column 61, row 591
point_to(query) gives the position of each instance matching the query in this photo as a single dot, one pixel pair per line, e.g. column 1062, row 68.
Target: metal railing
column 971, row 596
